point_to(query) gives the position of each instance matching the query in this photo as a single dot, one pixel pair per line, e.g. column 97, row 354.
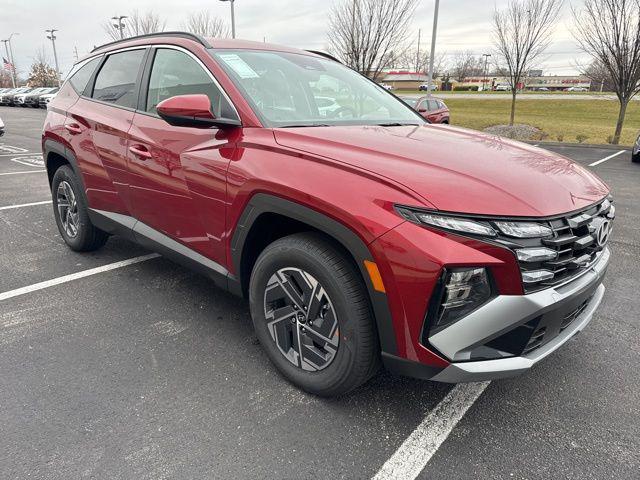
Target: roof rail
column 324, row 54
column 187, row 35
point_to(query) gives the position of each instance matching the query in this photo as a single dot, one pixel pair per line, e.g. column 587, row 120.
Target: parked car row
column 27, row 97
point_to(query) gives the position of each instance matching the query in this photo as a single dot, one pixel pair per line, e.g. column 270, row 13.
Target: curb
column 604, row 146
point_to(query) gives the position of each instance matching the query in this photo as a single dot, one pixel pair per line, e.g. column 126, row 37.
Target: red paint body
column 193, row 184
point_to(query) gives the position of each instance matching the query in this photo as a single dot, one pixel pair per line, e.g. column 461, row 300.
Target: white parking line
column 10, row 207
column 75, row 276
column 20, row 173
column 16, row 153
column 416, row 451
column 607, row 158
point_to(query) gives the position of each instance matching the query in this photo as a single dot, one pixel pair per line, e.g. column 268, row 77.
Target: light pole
column 233, row 18
column 6, row 48
column 120, row 25
column 9, row 51
column 52, row 37
column 433, row 47
column 484, row 80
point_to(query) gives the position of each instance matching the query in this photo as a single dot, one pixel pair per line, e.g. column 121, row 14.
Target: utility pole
column 418, row 52
column 433, row 47
column 233, row 18
column 120, row 25
column 484, row 80
column 75, row 53
column 13, row 67
column 53, row 37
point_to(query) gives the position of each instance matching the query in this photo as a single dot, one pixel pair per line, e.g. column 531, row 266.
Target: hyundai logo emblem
column 603, row 232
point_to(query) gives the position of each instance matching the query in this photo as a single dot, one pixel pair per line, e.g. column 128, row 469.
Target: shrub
column 466, row 88
column 561, row 137
column 610, row 139
column 581, row 138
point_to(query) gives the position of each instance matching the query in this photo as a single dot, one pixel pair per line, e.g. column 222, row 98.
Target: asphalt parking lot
column 150, row 371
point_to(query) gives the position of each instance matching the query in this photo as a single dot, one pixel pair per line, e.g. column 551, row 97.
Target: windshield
column 412, row 102
column 290, row 90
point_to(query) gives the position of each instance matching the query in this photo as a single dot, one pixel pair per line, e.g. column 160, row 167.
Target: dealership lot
column 149, row 371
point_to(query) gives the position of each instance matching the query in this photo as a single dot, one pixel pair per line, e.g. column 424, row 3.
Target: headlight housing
column 461, row 291
column 447, row 222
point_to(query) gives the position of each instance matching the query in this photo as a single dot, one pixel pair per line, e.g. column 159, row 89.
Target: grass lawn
column 561, row 120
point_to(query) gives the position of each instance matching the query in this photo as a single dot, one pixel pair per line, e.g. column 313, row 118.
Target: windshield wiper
column 307, row 125
column 396, row 124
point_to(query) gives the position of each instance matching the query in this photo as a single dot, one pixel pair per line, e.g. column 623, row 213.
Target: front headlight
column 446, row 222
column 462, row 291
column 524, row 229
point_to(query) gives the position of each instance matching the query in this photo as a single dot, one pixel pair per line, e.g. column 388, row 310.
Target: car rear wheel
column 71, row 213
column 312, row 316
column 635, row 158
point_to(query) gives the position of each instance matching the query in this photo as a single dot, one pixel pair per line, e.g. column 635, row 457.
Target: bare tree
column 599, row 75
column 521, row 35
column 42, row 74
column 365, row 33
column 206, row 25
column 464, row 65
column 609, row 31
column 418, row 62
column 135, row 24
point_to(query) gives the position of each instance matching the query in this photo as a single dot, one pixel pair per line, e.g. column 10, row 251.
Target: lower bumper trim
column 509, row 367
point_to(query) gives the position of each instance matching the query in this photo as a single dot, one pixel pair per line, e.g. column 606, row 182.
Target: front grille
column 574, row 238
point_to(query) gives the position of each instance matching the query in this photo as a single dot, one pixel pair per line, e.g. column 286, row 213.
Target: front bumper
column 505, row 313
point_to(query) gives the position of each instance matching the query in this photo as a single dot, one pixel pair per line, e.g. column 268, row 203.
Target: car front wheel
column 312, row 315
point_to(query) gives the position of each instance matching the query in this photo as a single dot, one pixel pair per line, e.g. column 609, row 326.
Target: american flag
column 6, row 64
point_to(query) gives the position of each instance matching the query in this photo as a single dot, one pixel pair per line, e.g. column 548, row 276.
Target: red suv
column 433, row 109
column 360, row 234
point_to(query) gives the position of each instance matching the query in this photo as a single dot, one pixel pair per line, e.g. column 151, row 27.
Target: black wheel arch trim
column 262, row 203
column 53, row 146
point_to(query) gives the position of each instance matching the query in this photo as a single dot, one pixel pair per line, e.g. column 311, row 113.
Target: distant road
column 521, row 96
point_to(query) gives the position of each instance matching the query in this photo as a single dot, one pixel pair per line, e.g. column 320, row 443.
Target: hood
column 458, row 170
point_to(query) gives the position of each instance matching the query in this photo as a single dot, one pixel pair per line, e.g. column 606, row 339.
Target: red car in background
column 433, row 109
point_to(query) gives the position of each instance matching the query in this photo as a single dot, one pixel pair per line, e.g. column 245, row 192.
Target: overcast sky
column 463, row 25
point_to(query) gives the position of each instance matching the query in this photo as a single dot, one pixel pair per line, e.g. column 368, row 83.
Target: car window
column 116, row 81
column 176, row 73
column 81, row 76
column 433, row 105
column 290, row 89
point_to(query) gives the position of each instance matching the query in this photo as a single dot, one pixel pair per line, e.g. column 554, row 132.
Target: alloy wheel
column 68, row 209
column 301, row 319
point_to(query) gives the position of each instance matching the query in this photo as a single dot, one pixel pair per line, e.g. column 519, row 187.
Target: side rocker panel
column 263, row 203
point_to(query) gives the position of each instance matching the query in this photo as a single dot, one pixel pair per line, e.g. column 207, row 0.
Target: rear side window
column 116, row 81
column 81, row 77
column 176, row 73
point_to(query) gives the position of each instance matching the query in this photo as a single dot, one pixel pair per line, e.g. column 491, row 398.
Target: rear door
column 98, row 125
column 178, row 174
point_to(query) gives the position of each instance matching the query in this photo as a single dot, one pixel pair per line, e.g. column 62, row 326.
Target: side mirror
column 422, row 110
column 192, row 111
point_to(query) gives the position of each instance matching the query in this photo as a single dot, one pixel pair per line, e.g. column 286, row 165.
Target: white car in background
column 576, row 89
column 44, row 100
column 502, row 88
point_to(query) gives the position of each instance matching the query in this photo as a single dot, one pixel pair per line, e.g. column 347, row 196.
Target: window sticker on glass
column 239, row 65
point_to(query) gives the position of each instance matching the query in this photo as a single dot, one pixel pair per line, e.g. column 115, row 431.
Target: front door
column 178, row 174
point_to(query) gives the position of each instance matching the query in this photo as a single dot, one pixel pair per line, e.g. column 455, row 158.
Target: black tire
column 357, row 356
column 635, row 158
column 87, row 237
